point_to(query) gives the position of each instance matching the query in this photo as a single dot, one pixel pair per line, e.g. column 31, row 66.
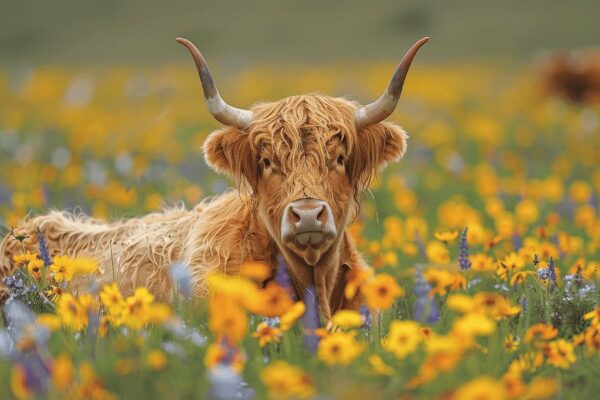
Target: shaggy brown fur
column 299, row 147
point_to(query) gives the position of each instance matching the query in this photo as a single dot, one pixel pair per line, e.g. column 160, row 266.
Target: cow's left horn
column 223, row 112
column 381, row 108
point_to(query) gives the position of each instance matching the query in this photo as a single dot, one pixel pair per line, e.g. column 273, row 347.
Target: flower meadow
column 484, row 242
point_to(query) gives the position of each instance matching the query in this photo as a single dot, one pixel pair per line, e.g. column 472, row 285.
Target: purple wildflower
column 33, row 362
column 420, row 246
column 366, row 316
column 425, row 309
column 282, row 276
column 43, row 249
column 552, row 271
column 37, row 372
column 226, row 384
column 17, row 287
column 523, row 302
column 310, row 320
column 517, row 242
column 543, row 274
column 182, row 279
column 463, row 254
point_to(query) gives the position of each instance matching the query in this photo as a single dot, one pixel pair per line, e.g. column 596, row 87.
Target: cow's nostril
column 294, row 216
column 322, row 215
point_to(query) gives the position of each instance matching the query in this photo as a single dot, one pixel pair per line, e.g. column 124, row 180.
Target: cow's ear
column 228, row 151
column 376, row 146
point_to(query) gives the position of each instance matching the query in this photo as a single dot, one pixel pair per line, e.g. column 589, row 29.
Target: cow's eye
column 266, row 163
column 340, row 160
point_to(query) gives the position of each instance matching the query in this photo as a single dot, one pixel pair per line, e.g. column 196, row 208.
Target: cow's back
column 139, row 251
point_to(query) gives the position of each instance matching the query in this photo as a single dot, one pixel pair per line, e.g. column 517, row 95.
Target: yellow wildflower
column 124, row 366
column 230, row 321
column 347, row 319
column 136, row 308
column 437, row 253
column 62, row 372
column 473, row 324
column 540, row 332
column 158, row 313
column 356, row 278
column 559, row 353
column 519, row 277
column 593, row 316
column 482, row 388
column 72, row 314
column 257, row 271
column 482, row 262
column 446, row 237
column 461, row 303
column 283, row 380
column 267, row 334
column 272, row 301
column 339, row 348
column 510, row 343
column 592, row 338
column 82, row 266
column 292, row 315
column 18, row 384
column 379, row 366
column 156, row 360
column 542, row 388
column 439, row 279
column 34, row 268
column 221, row 352
column 509, row 264
column 48, row 321
column 494, row 305
column 62, row 269
column 112, row 299
column 527, row 362
column 403, row 339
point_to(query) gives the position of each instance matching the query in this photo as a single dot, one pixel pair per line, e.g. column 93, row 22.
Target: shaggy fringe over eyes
column 282, row 128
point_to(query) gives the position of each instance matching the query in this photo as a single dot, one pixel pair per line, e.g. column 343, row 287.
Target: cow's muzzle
column 308, row 222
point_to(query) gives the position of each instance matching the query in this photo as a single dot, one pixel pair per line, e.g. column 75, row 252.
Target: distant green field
column 67, row 32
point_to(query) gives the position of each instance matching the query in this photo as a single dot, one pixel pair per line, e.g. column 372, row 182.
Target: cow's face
column 304, row 164
column 304, row 159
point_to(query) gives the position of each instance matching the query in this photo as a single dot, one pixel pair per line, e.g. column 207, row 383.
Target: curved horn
column 381, row 108
column 223, row 112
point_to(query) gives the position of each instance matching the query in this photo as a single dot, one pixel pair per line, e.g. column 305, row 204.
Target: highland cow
column 299, row 165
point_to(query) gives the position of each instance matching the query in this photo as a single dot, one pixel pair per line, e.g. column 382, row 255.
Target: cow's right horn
column 381, row 108
column 223, row 112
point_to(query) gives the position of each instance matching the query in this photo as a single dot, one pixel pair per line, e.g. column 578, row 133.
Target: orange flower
column 229, row 321
column 446, row 237
column 540, row 332
column 355, row 278
column 482, row 262
column 560, row 353
column 381, row 292
column 257, row 271
column 519, row 277
column 594, row 316
column 273, row 301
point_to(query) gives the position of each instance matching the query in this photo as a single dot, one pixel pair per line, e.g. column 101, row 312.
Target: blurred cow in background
column 299, row 165
column 575, row 77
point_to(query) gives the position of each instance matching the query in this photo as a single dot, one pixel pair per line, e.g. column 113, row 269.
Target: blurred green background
column 76, row 32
